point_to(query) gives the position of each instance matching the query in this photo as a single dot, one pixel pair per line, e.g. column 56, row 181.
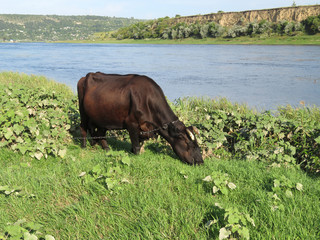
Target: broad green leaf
column 97, row 169
column 28, row 236
column 317, row 140
column 276, row 183
column 215, row 189
column 299, row 186
column 14, row 230
column 8, row 192
column 224, row 190
column 207, row 179
column 4, row 143
column 38, row 155
column 126, row 160
column 62, row 153
column 20, row 221
column 34, row 226
column 19, row 140
column 233, row 218
column 218, row 205
column 289, row 193
column 232, row 185
column 8, row 134
column 18, row 129
column 49, row 237
column 23, row 149
column 124, row 180
column 224, row 233
column 244, row 232
column 4, row 188
column 111, row 183
column 275, row 196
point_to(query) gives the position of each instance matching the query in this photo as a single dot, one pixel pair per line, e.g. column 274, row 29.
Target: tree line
column 56, row 28
column 165, row 28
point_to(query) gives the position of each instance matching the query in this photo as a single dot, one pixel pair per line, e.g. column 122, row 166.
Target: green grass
column 159, row 202
column 259, row 40
column 91, row 194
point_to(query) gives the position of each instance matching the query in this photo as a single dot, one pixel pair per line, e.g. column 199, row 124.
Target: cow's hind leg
column 101, row 136
column 83, row 130
column 93, row 133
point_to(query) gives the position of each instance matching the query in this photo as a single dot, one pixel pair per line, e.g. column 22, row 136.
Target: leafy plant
column 283, row 187
column 6, row 190
column 24, row 230
column 234, row 223
column 36, row 121
column 289, row 136
column 110, row 176
column 221, row 182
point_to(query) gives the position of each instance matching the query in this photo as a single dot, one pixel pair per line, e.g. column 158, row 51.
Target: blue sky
column 141, row 9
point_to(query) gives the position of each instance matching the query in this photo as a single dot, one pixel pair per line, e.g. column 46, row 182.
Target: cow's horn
column 196, row 130
column 190, row 135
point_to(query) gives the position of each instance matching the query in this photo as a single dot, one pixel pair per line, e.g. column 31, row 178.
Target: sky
column 140, row 9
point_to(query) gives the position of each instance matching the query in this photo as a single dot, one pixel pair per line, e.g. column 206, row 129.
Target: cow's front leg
column 134, row 137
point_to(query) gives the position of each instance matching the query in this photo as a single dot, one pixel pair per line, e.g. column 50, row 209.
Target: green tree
column 312, row 24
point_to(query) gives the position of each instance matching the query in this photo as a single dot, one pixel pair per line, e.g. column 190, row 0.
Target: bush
column 289, row 137
column 237, row 31
column 36, row 120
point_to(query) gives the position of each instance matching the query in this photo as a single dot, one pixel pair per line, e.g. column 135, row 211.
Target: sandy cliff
column 296, row 14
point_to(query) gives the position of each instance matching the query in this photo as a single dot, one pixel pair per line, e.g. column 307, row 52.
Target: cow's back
column 109, row 100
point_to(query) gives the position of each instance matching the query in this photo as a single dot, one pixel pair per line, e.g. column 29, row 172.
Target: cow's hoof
column 106, row 149
column 136, row 150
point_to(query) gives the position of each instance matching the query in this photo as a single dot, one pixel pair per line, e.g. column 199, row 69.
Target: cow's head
column 184, row 143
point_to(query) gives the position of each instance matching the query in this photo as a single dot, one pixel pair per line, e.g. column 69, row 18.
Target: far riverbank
column 259, row 40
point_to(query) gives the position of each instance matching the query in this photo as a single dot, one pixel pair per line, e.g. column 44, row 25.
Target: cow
column 136, row 103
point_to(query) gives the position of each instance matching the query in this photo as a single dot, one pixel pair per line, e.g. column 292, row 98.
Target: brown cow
column 135, row 103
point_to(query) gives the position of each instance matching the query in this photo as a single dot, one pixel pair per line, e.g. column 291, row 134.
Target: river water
column 260, row 76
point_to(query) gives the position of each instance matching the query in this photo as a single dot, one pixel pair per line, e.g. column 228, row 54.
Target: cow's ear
column 146, row 126
column 173, row 130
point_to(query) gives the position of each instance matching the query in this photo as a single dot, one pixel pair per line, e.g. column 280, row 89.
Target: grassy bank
column 254, row 181
column 260, row 40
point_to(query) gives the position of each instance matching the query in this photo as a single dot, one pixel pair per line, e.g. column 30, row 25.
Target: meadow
column 260, row 179
column 303, row 39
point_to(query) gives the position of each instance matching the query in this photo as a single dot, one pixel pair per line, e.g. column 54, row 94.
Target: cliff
column 295, row 14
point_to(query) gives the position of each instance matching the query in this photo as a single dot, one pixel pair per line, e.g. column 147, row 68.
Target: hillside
column 15, row 27
column 289, row 21
column 275, row 15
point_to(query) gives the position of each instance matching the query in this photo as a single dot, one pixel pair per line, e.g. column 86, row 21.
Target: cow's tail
column 81, row 87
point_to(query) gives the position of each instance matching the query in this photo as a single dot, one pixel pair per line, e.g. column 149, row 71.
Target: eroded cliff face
column 296, row 14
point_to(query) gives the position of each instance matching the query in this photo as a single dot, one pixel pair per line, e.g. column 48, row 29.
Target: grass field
column 158, row 197
column 259, row 40
column 91, row 194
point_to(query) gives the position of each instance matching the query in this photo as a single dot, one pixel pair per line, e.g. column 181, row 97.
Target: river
column 263, row 77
